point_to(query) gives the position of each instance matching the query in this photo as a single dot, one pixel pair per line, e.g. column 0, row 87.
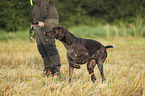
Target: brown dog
column 80, row 51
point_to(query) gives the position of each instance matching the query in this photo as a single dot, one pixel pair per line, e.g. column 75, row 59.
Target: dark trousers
column 46, row 46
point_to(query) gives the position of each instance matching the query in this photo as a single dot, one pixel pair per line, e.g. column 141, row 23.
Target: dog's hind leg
column 100, row 66
column 90, row 67
column 71, row 69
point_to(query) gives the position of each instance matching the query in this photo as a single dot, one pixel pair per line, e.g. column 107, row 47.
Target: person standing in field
column 44, row 18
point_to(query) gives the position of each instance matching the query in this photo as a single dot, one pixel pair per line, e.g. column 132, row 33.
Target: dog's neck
column 68, row 39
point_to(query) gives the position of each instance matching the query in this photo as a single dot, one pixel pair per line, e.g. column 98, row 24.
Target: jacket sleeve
column 35, row 12
column 44, row 10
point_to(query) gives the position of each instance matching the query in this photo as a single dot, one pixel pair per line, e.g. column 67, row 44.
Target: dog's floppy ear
column 60, row 33
column 56, row 30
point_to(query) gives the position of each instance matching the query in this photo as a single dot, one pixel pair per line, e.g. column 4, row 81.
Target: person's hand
column 32, row 26
column 41, row 24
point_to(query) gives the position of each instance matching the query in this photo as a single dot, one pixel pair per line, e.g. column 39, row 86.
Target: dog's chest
column 78, row 53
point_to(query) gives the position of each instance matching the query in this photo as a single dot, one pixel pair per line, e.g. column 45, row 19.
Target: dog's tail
column 110, row 46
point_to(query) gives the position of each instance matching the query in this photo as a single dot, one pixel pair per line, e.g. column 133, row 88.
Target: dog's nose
column 44, row 33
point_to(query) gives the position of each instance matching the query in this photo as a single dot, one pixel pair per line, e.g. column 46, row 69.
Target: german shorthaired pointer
column 80, row 51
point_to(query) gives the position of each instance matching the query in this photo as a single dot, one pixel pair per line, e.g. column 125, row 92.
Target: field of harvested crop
column 21, row 70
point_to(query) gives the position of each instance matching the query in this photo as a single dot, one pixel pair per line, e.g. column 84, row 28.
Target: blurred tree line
column 16, row 14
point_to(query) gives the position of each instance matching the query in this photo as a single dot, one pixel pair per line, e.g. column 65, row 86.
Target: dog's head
column 56, row 32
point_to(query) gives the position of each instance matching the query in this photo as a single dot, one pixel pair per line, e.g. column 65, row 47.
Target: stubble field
column 21, row 69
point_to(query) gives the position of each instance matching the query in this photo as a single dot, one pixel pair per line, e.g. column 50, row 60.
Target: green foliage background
column 16, row 14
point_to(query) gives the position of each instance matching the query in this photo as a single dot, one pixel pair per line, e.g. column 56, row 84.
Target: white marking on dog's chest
column 87, row 53
column 70, row 50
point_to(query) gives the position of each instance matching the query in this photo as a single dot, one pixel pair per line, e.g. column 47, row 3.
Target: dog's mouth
column 48, row 35
column 44, row 34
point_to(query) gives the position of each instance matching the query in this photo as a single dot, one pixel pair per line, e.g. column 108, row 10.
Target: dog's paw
column 103, row 80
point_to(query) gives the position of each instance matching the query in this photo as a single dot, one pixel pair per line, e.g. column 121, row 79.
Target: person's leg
column 52, row 50
column 42, row 50
column 51, row 60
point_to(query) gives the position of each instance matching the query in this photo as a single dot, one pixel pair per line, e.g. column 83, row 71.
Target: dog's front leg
column 71, row 69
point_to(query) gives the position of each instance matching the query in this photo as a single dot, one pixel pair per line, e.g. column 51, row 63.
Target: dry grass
column 21, row 72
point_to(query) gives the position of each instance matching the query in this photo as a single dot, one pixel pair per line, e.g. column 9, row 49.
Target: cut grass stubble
column 21, row 70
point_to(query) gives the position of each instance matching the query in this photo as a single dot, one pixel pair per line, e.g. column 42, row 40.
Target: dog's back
column 93, row 46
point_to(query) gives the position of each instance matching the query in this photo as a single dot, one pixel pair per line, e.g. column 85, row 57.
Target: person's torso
column 52, row 12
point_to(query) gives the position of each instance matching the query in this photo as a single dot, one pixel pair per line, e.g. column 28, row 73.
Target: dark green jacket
column 42, row 10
